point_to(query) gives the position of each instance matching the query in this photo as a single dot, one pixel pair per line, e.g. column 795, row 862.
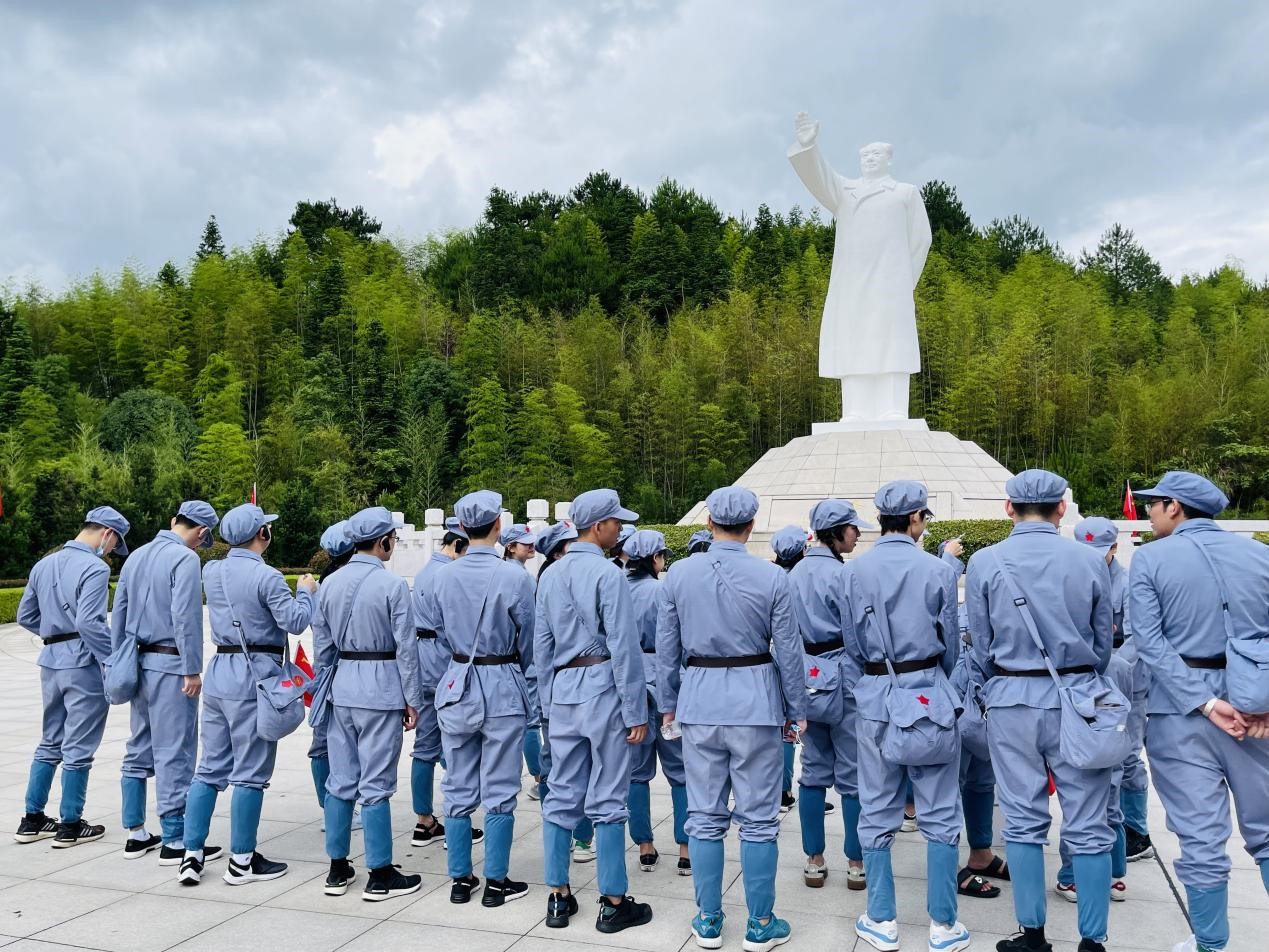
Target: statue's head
column 874, row 158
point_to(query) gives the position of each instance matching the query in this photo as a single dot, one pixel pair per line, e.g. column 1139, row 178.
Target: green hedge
column 975, row 534
column 1262, row 537
column 9, row 598
column 676, row 537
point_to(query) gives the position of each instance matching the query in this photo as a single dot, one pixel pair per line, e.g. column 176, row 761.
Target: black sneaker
column 1138, row 845
column 1028, row 940
column 191, row 873
column 1090, row 945
column 427, row 835
column 340, row 877
column 625, row 914
column 648, row 861
column 174, row 855
column 35, row 826
column 460, row 892
column 505, row 890
column 135, row 849
column 684, row 867
column 477, row 835
column 258, row 870
column 72, row 834
column 559, row 909
column 787, row 801
column 388, row 882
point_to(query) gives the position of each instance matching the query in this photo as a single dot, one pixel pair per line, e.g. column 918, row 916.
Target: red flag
column 1052, row 785
column 302, row 662
column 1130, row 504
column 253, row 494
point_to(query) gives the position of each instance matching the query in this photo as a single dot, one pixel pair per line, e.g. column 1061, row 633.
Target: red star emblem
column 1088, row 537
column 923, row 699
column 815, row 672
column 298, row 680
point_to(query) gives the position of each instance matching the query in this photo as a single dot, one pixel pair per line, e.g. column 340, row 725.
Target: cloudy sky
column 123, row 125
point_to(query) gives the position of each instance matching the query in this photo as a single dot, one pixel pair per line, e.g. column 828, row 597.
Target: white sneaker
column 814, row 876
column 533, row 793
column 883, row 936
column 1066, row 892
column 1118, row 891
column 583, row 852
column 1189, row 945
column 953, row 938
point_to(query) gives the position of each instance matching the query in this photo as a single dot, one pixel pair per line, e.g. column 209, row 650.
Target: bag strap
column 352, row 605
column 1028, row 620
column 475, row 640
column 882, row 623
column 736, row 600
column 57, row 586
column 233, row 615
column 1220, row 586
column 597, row 635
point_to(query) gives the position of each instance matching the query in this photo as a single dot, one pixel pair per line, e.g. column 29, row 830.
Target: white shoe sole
column 31, row 837
column 958, row 946
column 391, row 894
column 339, row 890
column 252, row 878
column 189, row 879
column 67, row 844
column 877, row 942
column 1067, row 894
column 583, row 858
column 137, row 854
column 764, row 946
column 714, row 943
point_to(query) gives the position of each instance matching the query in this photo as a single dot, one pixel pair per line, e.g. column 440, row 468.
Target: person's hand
column 411, row 718
column 667, row 718
column 1232, row 721
column 308, row 583
column 806, row 128
column 637, row 735
column 192, row 685
column 1257, row 726
column 954, row 547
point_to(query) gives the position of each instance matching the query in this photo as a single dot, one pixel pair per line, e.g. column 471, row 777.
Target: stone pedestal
column 965, row 482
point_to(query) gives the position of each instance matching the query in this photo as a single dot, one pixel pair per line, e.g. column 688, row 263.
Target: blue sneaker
column 760, row 938
column 882, row 936
column 708, row 930
column 953, row 938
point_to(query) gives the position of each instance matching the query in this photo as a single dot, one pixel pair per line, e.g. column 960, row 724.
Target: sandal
column 969, row 883
column 996, row 869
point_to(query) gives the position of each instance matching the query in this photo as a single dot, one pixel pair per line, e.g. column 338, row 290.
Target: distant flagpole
column 253, row 494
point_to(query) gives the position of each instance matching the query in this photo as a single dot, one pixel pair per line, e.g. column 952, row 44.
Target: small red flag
column 253, row 494
column 1052, row 785
column 1130, row 504
column 302, row 662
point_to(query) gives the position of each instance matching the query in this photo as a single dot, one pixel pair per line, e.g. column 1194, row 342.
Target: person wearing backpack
column 64, row 605
column 1197, row 598
column 368, row 688
column 483, row 610
column 902, row 603
column 251, row 610
column 159, row 607
column 730, row 671
column 1037, row 585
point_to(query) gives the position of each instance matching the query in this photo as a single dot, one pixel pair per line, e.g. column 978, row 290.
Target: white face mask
column 101, row 549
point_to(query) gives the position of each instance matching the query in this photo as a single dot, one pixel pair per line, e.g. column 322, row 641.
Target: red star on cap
column 1088, row 537
column 815, row 672
column 923, row 699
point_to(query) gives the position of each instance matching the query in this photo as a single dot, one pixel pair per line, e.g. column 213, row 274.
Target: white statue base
column 868, row 426
column 964, row 481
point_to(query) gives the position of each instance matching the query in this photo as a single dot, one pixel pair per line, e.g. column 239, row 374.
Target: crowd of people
column 920, row 709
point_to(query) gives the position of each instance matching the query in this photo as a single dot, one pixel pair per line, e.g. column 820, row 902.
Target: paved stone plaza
column 89, row 897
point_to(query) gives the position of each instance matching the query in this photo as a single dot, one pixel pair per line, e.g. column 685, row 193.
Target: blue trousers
column 533, row 751
column 789, row 750
column 978, row 800
column 584, row 830
column 74, row 720
column 163, row 742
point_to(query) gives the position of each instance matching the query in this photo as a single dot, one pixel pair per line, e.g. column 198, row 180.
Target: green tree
column 223, row 466
column 486, row 458
column 312, row 220
column 16, row 362
column 211, row 243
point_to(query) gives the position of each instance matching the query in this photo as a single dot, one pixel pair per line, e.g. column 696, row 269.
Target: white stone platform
column 91, row 898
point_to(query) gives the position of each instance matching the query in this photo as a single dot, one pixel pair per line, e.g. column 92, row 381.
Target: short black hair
column 1193, row 513
column 735, row 528
column 638, row 568
column 787, row 564
column 480, row 532
column 827, row 537
column 701, row 545
column 1045, row 510
column 335, row 564
column 93, row 527
column 367, row 544
column 454, row 539
column 186, row 523
column 891, row 524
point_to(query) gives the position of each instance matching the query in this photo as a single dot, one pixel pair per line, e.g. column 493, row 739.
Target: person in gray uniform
column 905, row 642
column 251, row 611
column 730, row 672
column 1038, row 586
column 1197, row 597
column 159, row 602
column 64, row 605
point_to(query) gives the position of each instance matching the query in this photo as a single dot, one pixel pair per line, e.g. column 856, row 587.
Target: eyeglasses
column 1158, row 499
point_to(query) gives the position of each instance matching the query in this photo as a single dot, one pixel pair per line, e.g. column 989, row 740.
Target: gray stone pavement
column 89, row 897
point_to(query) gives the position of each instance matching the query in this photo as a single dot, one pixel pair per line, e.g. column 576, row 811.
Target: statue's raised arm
column 809, row 162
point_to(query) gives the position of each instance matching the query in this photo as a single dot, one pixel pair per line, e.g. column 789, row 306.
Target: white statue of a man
column 868, row 335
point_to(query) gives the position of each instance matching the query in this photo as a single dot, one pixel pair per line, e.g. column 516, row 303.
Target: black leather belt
column 489, row 659
column 904, row 667
column 256, row 649
column 159, row 649
column 740, row 661
column 424, row 634
column 58, row 639
column 822, row 647
column 1214, row 664
column 1044, row 672
column 367, row 656
column 584, row 661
